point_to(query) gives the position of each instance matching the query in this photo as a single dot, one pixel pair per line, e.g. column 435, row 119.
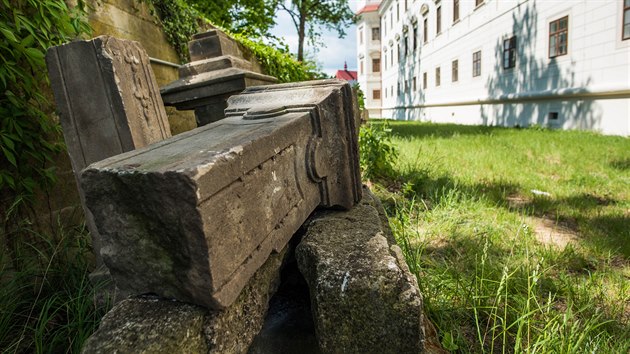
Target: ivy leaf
column 8, row 142
column 8, row 34
column 9, row 155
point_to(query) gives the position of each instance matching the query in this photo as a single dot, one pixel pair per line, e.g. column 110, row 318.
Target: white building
column 369, row 55
column 562, row 64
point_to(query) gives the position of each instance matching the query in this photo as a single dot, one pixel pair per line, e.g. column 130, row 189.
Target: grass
column 520, row 238
column 47, row 304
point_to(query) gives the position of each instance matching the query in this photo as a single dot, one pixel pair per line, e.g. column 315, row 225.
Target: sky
column 330, row 58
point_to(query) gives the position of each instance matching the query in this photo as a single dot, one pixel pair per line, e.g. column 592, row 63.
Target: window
column 376, row 33
column 386, row 92
column 558, row 37
column 414, row 83
column 391, row 91
column 391, row 59
column 424, row 80
column 385, row 60
column 438, row 78
column 361, row 35
column 476, row 63
column 415, row 37
column 405, row 5
column 438, row 20
column 398, row 89
column 455, row 10
column 376, row 94
column 384, row 26
column 391, row 18
column 509, row 53
column 478, row 2
column 360, row 67
column 406, row 44
column 626, row 19
column 376, row 65
column 397, row 11
column 455, row 71
column 425, row 34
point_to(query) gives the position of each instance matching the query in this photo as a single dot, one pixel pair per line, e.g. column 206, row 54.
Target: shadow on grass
column 621, row 164
column 580, row 213
column 421, row 130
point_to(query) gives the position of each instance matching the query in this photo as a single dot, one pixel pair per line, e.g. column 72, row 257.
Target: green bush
column 377, row 152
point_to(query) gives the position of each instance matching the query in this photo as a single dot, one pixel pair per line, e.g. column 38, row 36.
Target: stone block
column 212, row 44
column 194, row 216
column 108, row 102
column 363, row 297
column 148, row 324
column 217, row 71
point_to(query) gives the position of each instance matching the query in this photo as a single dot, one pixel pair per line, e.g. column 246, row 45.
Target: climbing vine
column 29, row 137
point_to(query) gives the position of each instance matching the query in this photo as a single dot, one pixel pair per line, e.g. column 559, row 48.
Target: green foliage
column 252, row 18
column 378, row 153
column 279, row 62
column 46, row 299
column 309, row 15
column 29, row 138
column 360, row 95
column 179, row 21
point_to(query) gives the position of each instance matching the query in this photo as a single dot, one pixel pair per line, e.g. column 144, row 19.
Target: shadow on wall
column 405, row 86
column 531, row 75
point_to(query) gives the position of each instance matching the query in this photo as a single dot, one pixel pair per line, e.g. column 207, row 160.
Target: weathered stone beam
column 363, row 297
column 193, row 217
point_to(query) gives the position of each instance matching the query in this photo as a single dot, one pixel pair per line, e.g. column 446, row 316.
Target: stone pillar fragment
column 363, row 297
column 193, row 217
column 108, row 102
column 217, row 71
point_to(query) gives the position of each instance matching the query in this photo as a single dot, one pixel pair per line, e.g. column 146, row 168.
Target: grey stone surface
column 217, row 71
column 155, row 325
column 363, row 297
column 194, row 216
column 108, row 102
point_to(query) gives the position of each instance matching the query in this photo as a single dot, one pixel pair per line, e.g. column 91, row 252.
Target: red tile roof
column 346, row 75
column 368, row 8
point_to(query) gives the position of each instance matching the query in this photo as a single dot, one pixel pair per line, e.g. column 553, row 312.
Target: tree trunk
column 301, row 36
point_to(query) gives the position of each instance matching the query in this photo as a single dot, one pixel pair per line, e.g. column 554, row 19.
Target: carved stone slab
column 194, row 216
column 108, row 102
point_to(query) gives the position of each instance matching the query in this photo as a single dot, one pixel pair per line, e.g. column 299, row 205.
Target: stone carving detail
column 193, row 217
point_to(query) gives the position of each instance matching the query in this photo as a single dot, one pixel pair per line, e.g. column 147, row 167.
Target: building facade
column 563, row 64
column 369, row 55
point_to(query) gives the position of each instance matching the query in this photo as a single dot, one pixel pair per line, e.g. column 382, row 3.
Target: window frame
column 438, row 76
column 438, row 20
column 476, row 66
column 376, row 65
column 375, row 93
column 510, row 51
column 557, row 35
column 455, row 11
column 425, row 31
column 625, row 13
column 455, row 70
column 376, row 30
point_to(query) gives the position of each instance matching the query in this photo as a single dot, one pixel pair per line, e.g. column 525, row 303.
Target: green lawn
column 520, row 238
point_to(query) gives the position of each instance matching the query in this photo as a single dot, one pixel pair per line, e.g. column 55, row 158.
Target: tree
column 331, row 14
column 253, row 18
